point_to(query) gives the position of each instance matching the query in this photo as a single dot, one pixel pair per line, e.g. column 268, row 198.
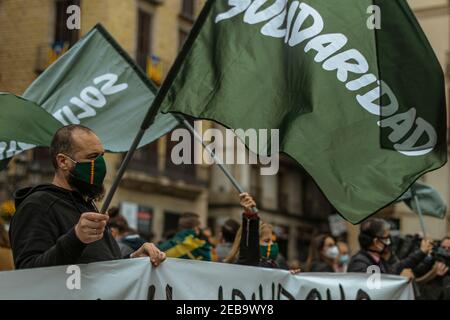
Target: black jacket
column 249, row 252
column 412, row 261
column 42, row 229
column 321, row 266
column 362, row 260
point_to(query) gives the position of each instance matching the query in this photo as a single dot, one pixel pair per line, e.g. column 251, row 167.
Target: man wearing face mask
column 58, row 223
column 375, row 242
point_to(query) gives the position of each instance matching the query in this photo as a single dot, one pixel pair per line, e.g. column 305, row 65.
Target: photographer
column 435, row 284
column 375, row 242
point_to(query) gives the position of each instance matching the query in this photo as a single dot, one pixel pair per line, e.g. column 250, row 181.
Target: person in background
column 323, row 254
column 254, row 244
column 127, row 238
column 294, row 264
column 344, row 256
column 6, row 257
column 374, row 239
column 189, row 242
column 208, row 235
column 227, row 234
column 435, row 284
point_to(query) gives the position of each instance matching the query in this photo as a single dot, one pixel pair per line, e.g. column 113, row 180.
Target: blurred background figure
column 227, row 234
column 6, row 258
column 255, row 243
column 190, row 242
column 344, row 256
column 294, row 264
column 127, row 238
column 323, row 254
column 377, row 250
column 208, row 235
column 433, row 276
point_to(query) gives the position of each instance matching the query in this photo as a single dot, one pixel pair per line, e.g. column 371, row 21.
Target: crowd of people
column 253, row 242
column 59, row 224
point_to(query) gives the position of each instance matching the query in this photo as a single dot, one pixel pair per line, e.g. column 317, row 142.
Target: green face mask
column 269, row 251
column 91, row 172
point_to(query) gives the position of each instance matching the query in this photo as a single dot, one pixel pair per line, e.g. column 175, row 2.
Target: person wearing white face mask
column 323, row 254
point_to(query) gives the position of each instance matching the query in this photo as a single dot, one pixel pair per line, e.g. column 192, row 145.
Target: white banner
column 194, row 280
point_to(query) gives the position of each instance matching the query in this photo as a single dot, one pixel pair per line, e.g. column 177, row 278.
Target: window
column 42, row 160
column 170, row 224
column 145, row 222
column 145, row 159
column 64, row 36
column 187, row 9
column 283, row 196
column 315, row 205
column 144, row 39
column 182, row 37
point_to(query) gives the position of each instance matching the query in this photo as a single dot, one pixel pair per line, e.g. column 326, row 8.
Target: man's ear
column 62, row 162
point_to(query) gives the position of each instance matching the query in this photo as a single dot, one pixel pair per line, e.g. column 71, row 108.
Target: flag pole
column 419, row 211
column 148, row 120
column 216, row 159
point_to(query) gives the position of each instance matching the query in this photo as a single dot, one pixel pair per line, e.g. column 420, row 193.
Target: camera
column 441, row 255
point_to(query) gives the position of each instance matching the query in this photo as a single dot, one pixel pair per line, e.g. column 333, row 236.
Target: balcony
column 151, row 171
column 47, row 54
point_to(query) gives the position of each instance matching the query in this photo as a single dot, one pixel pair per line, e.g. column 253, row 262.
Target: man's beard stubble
column 90, row 191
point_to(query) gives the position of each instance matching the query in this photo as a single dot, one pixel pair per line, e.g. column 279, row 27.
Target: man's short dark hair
column 189, row 220
column 62, row 141
column 229, row 230
column 370, row 229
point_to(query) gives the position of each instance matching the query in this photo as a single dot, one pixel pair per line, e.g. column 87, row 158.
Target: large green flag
column 362, row 109
column 95, row 84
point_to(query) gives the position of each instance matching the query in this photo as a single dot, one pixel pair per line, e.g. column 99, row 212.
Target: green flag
column 24, row 121
column 96, row 84
column 362, row 110
column 429, row 199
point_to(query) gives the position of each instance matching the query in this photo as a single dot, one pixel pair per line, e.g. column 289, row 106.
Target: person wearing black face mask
column 375, row 242
column 87, row 177
column 58, row 223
